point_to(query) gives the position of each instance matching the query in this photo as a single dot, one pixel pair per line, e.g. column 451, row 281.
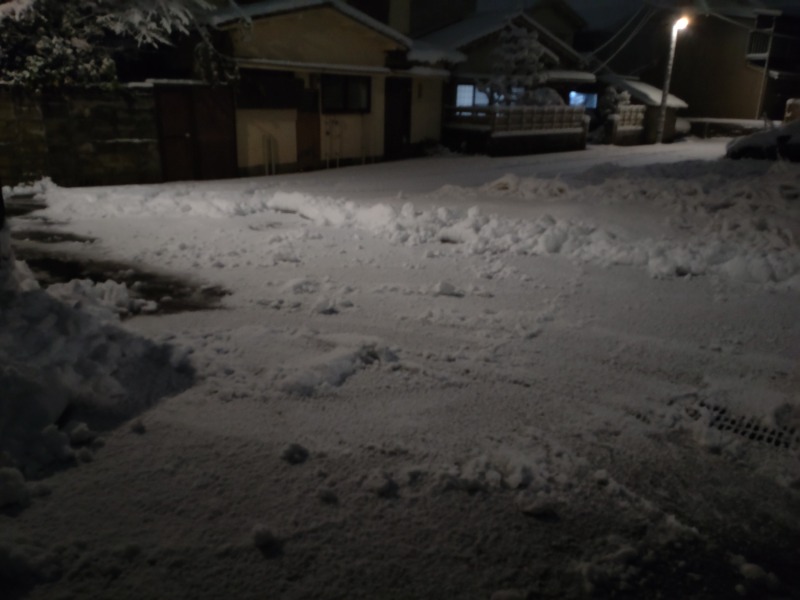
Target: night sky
column 607, row 13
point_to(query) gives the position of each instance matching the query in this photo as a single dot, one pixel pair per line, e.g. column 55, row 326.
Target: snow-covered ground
column 456, row 377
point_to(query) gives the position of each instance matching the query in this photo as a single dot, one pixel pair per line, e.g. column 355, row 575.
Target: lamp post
column 679, row 25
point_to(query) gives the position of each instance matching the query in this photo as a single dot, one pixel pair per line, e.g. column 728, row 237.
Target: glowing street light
column 679, row 25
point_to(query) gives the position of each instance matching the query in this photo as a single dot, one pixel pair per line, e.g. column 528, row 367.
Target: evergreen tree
column 518, row 66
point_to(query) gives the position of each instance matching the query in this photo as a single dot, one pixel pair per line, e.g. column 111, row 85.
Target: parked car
column 779, row 142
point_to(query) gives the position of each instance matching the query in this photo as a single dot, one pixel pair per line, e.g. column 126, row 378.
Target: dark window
column 346, row 94
column 268, row 89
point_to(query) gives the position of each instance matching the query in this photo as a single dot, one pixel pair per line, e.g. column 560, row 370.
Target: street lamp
column 679, row 25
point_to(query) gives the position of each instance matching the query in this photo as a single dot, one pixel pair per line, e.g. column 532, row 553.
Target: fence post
column 2, row 206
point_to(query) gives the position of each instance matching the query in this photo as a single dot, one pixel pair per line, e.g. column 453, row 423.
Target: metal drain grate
column 751, row 428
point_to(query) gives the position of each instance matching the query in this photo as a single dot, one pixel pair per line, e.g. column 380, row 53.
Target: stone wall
column 80, row 137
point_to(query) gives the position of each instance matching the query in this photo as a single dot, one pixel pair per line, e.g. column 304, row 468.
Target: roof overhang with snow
column 308, row 34
column 423, row 52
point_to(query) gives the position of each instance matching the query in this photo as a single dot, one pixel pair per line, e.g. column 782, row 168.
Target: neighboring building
column 473, row 122
column 324, row 84
column 729, row 62
column 321, row 83
column 739, row 63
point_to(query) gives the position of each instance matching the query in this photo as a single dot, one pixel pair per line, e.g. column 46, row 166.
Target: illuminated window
column 585, row 100
column 469, row 95
column 465, row 95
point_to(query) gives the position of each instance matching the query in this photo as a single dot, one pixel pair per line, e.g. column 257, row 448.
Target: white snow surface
column 565, row 375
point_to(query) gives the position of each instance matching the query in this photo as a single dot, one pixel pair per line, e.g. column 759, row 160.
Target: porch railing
column 516, row 119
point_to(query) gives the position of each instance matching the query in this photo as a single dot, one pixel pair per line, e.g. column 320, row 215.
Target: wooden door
column 308, row 131
column 198, row 132
column 397, row 119
column 215, row 133
column 176, row 127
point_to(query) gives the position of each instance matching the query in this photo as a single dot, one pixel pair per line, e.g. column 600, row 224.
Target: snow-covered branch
column 52, row 43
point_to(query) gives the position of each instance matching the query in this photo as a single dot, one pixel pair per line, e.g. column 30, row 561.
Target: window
column 469, row 95
column 581, row 99
column 346, row 94
column 268, row 89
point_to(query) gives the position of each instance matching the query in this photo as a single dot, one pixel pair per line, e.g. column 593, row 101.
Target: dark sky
column 606, row 13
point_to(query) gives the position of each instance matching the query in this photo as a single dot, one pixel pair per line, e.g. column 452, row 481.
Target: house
column 737, row 62
column 324, row 84
column 479, row 119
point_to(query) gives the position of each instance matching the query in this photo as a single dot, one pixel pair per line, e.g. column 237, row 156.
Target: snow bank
column 739, row 229
column 56, row 358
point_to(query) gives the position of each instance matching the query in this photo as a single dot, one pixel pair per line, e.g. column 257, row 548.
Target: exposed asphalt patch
column 39, row 248
column 19, row 205
column 50, row 237
column 171, row 294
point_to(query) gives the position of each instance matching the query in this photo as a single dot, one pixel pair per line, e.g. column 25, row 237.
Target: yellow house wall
column 305, row 36
column 252, row 128
column 355, row 136
column 426, row 110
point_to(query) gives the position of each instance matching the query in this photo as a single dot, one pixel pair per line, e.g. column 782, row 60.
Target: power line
column 627, row 41
column 619, row 32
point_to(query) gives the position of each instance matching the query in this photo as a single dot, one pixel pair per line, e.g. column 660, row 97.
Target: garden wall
column 79, row 137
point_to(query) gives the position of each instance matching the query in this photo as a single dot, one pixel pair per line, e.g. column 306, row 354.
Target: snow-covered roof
column 426, row 72
column 268, row 8
column 463, row 33
column 643, row 92
column 267, row 63
column 423, row 52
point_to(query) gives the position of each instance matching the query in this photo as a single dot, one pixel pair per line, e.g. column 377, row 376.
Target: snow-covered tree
column 55, row 43
column 518, row 66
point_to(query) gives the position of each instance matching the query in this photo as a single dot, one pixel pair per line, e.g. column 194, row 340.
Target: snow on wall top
column 273, row 7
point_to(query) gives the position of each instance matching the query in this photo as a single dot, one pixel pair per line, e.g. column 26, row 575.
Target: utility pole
column 763, row 92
